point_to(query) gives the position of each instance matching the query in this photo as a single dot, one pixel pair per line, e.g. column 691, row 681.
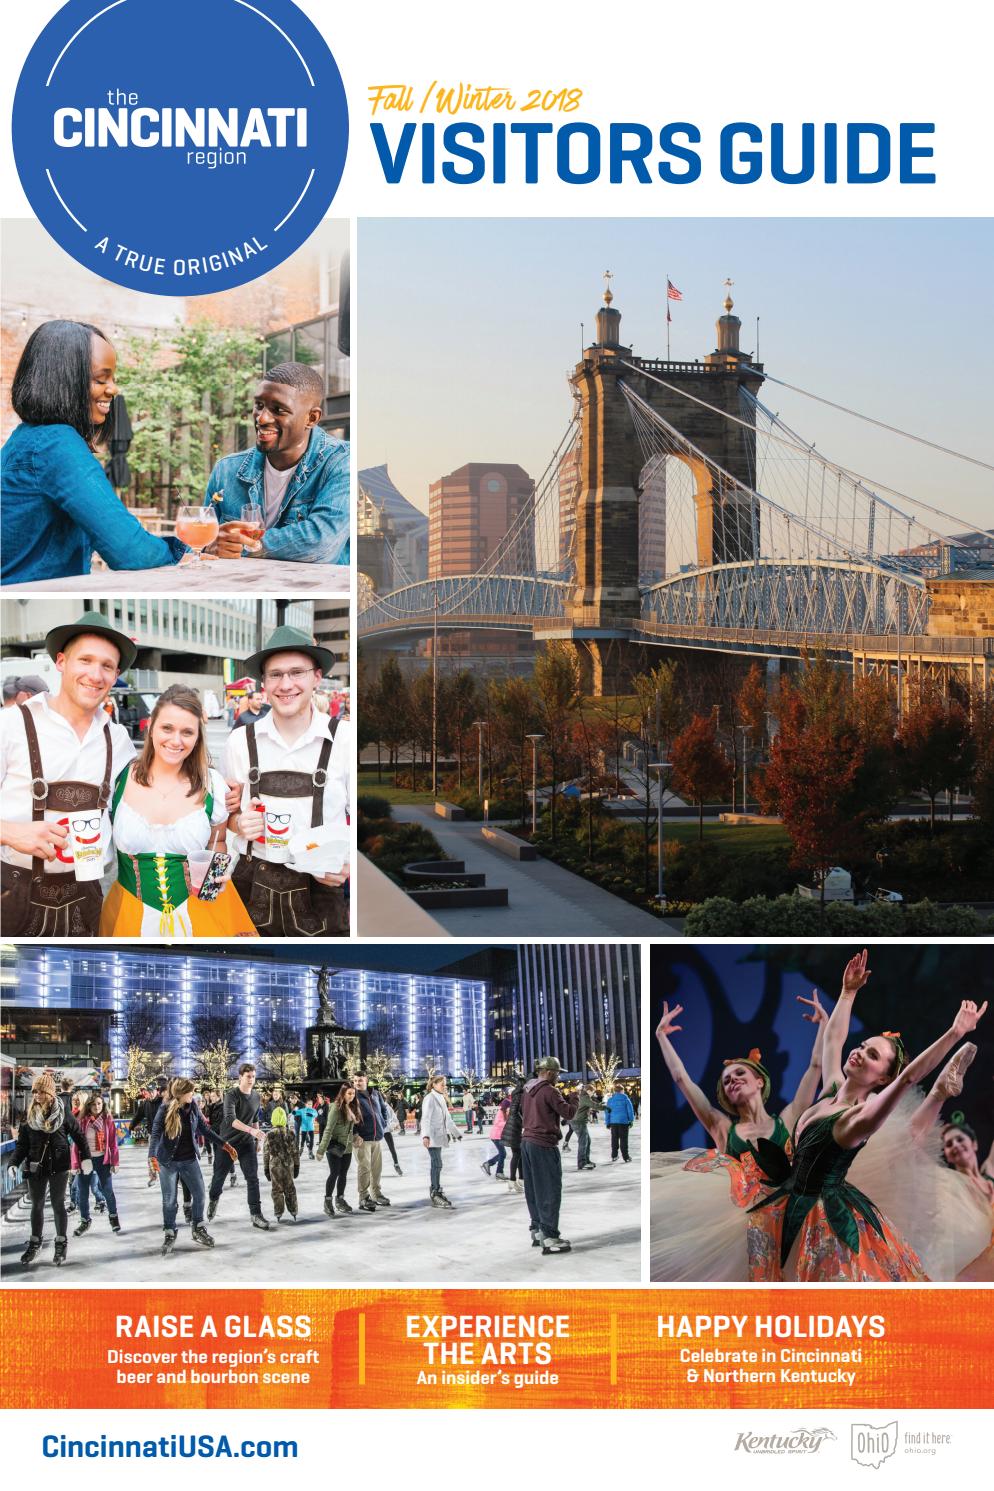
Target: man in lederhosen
column 59, row 756
column 296, row 763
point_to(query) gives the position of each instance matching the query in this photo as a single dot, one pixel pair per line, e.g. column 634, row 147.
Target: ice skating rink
column 484, row 1239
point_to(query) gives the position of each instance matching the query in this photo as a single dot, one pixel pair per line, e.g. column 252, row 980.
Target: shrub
column 788, row 916
column 695, row 872
column 373, row 807
column 391, row 845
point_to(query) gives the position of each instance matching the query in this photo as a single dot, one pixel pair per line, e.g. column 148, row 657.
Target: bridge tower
column 605, row 600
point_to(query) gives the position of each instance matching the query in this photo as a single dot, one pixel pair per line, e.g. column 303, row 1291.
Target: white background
column 651, row 63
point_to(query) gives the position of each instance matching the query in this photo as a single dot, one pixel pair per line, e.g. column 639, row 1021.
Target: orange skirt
column 819, row 1257
column 123, row 915
column 747, row 1185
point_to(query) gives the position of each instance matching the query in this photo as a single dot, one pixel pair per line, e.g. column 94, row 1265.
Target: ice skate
column 168, row 1242
column 555, row 1245
column 61, row 1246
column 84, row 1226
column 28, row 1256
column 200, row 1235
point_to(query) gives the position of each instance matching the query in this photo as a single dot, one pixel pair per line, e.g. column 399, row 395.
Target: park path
column 544, row 900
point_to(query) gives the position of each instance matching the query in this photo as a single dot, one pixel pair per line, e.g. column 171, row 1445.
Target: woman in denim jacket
column 58, row 506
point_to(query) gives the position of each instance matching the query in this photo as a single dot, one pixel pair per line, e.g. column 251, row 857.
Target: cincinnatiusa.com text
column 167, row 1447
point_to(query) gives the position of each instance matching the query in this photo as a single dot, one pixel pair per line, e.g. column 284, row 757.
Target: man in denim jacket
column 297, row 475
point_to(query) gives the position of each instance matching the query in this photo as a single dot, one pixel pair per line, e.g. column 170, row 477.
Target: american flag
column 672, row 293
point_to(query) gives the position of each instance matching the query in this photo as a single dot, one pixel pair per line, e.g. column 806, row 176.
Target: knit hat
column 44, row 1085
column 278, row 1118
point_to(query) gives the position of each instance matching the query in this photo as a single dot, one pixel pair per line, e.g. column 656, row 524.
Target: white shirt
column 64, row 758
column 276, row 755
column 275, row 484
column 133, row 834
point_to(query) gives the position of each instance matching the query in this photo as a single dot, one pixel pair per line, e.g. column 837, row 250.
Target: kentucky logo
column 797, row 1442
column 872, row 1446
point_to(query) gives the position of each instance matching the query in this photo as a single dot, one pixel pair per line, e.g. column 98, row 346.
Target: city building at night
column 414, row 1017
column 569, row 1000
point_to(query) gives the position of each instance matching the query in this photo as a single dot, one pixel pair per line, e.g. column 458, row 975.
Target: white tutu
column 698, row 1234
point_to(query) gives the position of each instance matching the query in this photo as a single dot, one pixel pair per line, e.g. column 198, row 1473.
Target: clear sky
column 466, row 329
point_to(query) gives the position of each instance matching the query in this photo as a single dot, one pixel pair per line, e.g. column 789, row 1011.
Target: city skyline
column 893, row 337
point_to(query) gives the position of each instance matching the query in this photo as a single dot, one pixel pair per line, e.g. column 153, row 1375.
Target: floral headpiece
column 900, row 1054
column 754, row 1061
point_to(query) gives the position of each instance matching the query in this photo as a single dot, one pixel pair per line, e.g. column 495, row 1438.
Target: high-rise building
column 470, row 511
column 414, row 1017
column 652, row 522
column 569, row 1000
column 384, row 514
column 198, row 641
column 331, row 630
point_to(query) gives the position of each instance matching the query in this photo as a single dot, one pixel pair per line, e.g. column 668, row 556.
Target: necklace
column 171, row 791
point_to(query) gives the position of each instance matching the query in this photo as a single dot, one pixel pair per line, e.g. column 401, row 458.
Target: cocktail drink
column 252, row 522
column 196, row 527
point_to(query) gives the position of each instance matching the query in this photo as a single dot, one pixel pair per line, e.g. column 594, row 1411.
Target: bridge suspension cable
column 818, row 492
column 533, row 545
column 881, row 424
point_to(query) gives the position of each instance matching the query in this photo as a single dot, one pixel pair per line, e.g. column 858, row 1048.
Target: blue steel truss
column 820, row 596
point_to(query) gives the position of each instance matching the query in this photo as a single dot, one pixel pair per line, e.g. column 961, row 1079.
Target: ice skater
column 101, row 1137
column 177, row 1132
column 337, row 1142
column 437, row 1130
column 281, row 1164
column 42, row 1146
column 240, row 1133
column 542, row 1108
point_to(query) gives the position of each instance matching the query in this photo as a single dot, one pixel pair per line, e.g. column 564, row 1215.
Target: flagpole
column 667, row 317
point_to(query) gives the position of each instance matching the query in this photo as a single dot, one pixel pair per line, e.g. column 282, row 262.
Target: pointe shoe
column 950, row 1080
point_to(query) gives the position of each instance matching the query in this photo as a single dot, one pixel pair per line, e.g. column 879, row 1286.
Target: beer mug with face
column 279, row 829
column 86, row 842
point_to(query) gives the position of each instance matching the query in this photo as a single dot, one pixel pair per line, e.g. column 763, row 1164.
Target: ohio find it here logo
column 872, row 1445
column 180, row 148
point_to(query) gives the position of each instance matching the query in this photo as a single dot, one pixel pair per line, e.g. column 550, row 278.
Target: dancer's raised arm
column 837, row 1030
column 807, row 1088
column 860, row 1122
column 716, row 1122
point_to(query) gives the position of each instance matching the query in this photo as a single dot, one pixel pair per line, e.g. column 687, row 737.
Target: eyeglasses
column 293, row 675
column 85, row 825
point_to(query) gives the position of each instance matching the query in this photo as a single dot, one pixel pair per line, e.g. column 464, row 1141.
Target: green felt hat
column 91, row 623
column 289, row 639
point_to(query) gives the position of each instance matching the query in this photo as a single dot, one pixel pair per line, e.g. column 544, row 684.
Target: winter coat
column 111, row 1155
column 50, row 1152
column 437, row 1125
column 542, row 1106
column 307, row 1117
column 513, row 1122
column 618, row 1110
column 338, row 1130
column 497, row 1127
column 280, row 1152
column 584, row 1108
column 370, row 1126
column 162, row 1148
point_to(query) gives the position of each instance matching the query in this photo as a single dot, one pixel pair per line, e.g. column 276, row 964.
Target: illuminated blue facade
column 413, row 1016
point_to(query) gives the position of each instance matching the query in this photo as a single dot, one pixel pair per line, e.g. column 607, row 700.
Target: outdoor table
column 213, row 577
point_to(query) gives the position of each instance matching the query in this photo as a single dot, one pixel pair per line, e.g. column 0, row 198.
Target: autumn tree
column 393, row 707
column 809, row 780
column 935, row 750
column 700, row 766
column 982, row 734
column 658, row 707
column 556, row 679
column 513, row 715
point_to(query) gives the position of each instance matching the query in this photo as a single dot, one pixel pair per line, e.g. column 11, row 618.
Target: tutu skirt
column 701, row 1232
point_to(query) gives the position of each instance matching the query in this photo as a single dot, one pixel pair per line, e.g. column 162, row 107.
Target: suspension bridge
column 679, row 511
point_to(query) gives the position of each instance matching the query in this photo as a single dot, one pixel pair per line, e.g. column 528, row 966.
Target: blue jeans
column 170, row 1175
column 101, row 1182
column 582, row 1146
column 498, row 1158
column 74, row 1187
column 543, row 1172
column 435, row 1156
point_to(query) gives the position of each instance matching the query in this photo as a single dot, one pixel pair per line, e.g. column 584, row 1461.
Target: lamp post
column 434, row 695
column 659, row 767
column 534, row 740
column 481, row 725
column 745, row 754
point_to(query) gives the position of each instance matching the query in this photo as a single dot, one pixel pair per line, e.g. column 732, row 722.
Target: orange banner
column 506, row 1348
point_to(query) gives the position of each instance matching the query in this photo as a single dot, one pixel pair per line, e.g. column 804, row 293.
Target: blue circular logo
column 182, row 147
